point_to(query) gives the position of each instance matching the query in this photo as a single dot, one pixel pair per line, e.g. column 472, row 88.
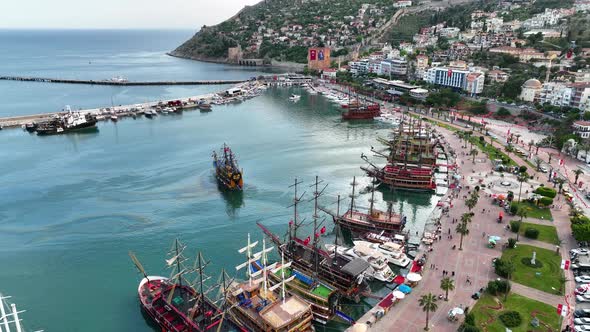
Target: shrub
column 492, row 288
column 470, row 328
column 470, row 319
column 513, row 208
column 547, row 192
column 500, row 269
column 531, row 233
column 515, row 226
column 580, row 219
column 545, row 201
column 511, row 318
column 511, row 243
column 496, row 287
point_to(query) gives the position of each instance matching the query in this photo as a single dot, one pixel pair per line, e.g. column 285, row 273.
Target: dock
column 117, row 82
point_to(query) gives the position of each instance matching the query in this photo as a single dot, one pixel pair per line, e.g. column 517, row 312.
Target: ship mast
column 250, row 258
column 293, row 227
column 352, row 195
column 316, row 238
column 372, row 200
column 283, row 280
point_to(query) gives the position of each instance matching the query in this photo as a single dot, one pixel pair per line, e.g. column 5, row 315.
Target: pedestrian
column 453, row 273
column 483, row 234
column 449, row 231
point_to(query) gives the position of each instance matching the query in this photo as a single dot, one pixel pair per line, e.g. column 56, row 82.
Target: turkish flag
column 306, row 242
column 323, row 230
column 312, row 55
column 450, row 73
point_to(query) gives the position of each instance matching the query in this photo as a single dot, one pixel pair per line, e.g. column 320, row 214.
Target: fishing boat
column 10, row 316
column 71, row 121
column 204, row 106
column 174, row 304
column 374, row 220
column 411, row 161
column 392, row 251
column 345, row 274
column 227, row 170
column 255, row 303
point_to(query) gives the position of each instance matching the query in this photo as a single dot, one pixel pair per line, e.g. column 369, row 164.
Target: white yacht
column 378, row 262
column 392, row 251
column 294, row 97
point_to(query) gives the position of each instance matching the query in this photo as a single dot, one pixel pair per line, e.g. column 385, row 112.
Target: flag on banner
column 321, row 55
column 562, row 310
column 565, row 264
column 312, row 55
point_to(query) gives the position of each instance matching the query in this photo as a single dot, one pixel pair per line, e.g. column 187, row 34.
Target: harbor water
column 72, row 206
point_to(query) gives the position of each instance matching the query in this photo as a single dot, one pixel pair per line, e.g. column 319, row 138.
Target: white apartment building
column 470, row 81
column 396, row 67
column 556, row 94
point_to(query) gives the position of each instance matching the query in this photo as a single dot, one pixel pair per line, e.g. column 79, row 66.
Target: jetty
column 117, row 82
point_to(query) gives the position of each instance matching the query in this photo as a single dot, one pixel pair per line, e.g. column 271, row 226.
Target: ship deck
column 378, row 216
column 282, row 313
column 317, row 290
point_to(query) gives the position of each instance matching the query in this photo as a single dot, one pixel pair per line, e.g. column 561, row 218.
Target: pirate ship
column 227, row 171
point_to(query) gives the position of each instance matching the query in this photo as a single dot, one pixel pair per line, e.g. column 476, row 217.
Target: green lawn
column 486, row 318
column 547, row 233
column 534, row 211
column 549, row 278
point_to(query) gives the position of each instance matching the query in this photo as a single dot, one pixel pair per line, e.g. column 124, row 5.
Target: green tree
column 447, row 284
column 577, row 173
column 474, row 153
column 538, row 163
column 463, row 231
column 522, row 213
column 521, row 177
column 503, row 112
column 428, row 304
column 509, row 269
column 471, row 203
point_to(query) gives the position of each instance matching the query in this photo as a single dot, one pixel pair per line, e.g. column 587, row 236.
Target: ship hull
column 421, row 184
column 90, row 125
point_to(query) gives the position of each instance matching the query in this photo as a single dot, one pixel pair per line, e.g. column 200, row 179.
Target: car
column 582, row 328
column 543, row 169
column 584, row 279
column 582, row 321
column 583, row 298
column 581, row 290
column 582, row 313
column 580, row 251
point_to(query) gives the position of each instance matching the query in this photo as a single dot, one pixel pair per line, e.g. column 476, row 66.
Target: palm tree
column 531, row 143
column 466, row 217
column 538, row 162
column 428, row 304
column 471, row 203
column 521, row 177
column 474, row 153
column 537, row 146
column 560, row 182
column 463, row 230
column 447, row 284
column 577, row 172
column 522, row 213
column 517, row 137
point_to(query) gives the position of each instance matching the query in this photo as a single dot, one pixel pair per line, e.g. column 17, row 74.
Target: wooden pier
column 115, row 82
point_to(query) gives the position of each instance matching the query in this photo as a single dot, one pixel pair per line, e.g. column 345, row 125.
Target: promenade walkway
column 474, row 261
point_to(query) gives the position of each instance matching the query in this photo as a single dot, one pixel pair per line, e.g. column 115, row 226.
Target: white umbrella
column 398, row 295
column 457, row 311
column 413, row 277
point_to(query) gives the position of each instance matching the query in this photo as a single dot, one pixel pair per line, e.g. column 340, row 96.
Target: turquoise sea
column 72, row 206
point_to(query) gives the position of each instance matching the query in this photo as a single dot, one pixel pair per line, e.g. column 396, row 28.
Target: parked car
column 580, row 251
column 582, row 321
column 583, row 298
column 582, row 328
column 581, row 290
column 583, row 278
column 582, row 313
column 543, row 169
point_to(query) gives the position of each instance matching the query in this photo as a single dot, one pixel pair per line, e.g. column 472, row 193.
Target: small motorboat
column 114, row 118
column 294, row 97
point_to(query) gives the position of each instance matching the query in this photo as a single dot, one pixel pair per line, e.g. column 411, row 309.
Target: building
column 394, row 67
column 318, row 58
column 556, row 93
column 329, row 74
column 402, row 3
column 580, row 95
column 498, row 76
column 582, row 128
column 419, row 93
column 450, row 32
column 530, row 90
column 459, row 79
column 582, row 76
column 360, row 67
column 397, row 87
column 523, row 54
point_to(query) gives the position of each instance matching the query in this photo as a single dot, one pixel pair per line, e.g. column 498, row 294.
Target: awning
column 405, row 289
column 413, row 277
column 399, row 279
column 398, row 295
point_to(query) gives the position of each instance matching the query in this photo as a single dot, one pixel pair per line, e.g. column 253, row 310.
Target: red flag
column 290, row 222
column 450, row 73
column 306, row 242
column 317, row 235
column 312, row 55
column 570, row 52
column 323, row 230
column 559, row 308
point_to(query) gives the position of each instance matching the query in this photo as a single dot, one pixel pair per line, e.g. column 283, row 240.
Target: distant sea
column 138, row 55
column 72, row 206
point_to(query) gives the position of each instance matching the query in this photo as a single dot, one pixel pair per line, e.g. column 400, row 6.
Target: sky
column 116, row 14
